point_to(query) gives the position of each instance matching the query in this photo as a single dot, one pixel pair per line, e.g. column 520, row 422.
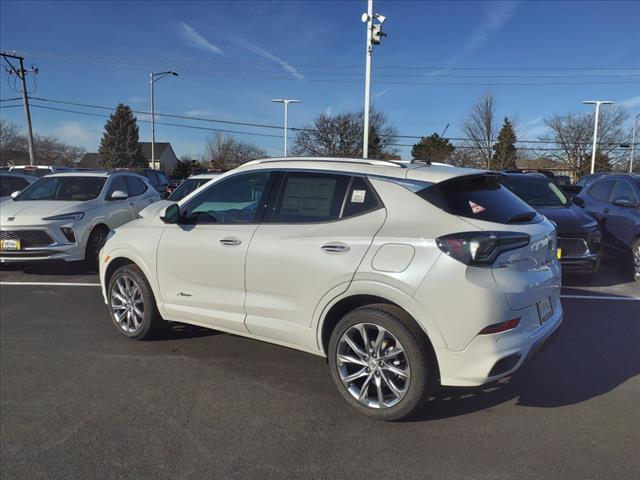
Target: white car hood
column 155, row 208
column 31, row 212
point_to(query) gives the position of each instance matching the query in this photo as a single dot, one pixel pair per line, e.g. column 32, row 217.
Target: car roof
column 93, row 173
column 536, row 177
column 5, row 173
column 371, row 167
column 199, row 176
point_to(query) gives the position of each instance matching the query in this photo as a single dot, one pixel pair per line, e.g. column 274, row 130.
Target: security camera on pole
column 374, row 37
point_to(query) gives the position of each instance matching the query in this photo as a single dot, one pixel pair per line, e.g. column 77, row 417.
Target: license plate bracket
column 545, row 310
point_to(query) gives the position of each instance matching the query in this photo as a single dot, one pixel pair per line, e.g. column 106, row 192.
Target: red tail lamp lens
column 500, row 327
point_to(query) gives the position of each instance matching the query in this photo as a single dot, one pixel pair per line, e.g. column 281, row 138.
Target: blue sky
column 234, row 57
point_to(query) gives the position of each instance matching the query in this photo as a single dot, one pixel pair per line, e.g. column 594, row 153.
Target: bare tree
column 341, row 135
column 574, row 135
column 480, row 128
column 225, row 153
column 10, row 137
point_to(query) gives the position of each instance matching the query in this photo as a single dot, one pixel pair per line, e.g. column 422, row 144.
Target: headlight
column 66, row 216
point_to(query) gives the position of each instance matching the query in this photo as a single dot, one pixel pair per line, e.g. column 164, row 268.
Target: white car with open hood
column 67, row 216
column 406, row 277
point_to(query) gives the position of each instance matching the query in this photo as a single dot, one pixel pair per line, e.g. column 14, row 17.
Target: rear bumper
column 490, row 357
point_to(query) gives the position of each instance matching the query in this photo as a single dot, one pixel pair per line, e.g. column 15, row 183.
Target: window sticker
column 475, row 208
column 357, row 196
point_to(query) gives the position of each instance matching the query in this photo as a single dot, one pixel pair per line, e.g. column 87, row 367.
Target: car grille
column 28, row 238
column 573, row 247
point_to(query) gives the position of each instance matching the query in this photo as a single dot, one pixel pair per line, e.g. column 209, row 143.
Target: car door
column 201, row 260
column 315, row 236
column 139, row 197
column 118, row 211
column 622, row 221
column 598, row 204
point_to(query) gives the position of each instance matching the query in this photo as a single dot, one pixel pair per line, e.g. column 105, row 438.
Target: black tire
column 152, row 324
column 96, row 241
column 419, row 357
column 635, row 256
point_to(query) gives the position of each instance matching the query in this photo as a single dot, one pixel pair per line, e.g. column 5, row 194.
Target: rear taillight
column 500, row 327
column 480, row 248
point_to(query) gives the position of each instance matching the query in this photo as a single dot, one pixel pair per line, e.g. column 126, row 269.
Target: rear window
column 479, row 197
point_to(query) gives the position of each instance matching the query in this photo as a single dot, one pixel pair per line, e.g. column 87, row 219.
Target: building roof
column 160, row 147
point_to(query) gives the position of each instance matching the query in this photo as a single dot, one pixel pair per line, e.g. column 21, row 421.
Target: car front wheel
column 380, row 363
column 132, row 304
column 636, row 260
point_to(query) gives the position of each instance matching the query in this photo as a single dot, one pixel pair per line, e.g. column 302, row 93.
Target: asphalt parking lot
column 78, row 400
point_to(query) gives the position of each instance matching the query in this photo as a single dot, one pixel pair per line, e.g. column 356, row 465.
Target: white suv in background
column 67, row 216
column 406, row 277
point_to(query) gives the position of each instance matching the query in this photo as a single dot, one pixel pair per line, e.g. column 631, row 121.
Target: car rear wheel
column 133, row 305
column 380, row 362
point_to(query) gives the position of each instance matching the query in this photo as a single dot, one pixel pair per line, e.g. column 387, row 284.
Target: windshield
column 78, row 189
column 186, row 187
column 536, row 192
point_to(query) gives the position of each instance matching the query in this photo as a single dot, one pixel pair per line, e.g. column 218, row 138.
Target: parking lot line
column 601, row 297
column 50, row 284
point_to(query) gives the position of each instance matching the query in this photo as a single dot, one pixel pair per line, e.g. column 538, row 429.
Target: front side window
column 623, row 191
column 118, row 184
column 310, row 197
column 9, row 184
column 135, row 186
column 233, row 200
column 77, row 189
column 602, row 190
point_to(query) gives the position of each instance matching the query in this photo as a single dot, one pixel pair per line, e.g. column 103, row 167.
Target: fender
column 392, row 294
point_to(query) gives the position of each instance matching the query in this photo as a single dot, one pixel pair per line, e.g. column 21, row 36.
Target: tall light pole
column 597, row 103
column 153, row 78
column 286, row 102
column 633, row 142
column 374, row 36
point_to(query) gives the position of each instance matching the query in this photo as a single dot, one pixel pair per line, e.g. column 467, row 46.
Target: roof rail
column 365, row 161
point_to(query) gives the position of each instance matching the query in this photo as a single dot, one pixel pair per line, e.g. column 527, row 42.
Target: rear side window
column 135, row 186
column 361, row 198
column 624, row 191
column 602, row 190
column 162, row 178
column 479, row 197
column 118, row 183
column 310, row 197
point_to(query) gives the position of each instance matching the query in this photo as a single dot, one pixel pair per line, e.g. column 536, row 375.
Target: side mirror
column 15, row 194
column 623, row 202
column 579, row 201
column 118, row 195
column 171, row 214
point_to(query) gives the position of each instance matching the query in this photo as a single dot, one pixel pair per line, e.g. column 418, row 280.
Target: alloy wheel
column 636, row 261
column 127, row 304
column 373, row 365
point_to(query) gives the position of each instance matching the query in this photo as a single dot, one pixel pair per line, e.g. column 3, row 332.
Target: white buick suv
column 67, row 216
column 405, row 277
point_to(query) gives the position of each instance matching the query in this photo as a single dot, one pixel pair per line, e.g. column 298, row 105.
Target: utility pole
column 597, row 103
column 153, row 78
column 22, row 74
column 286, row 102
column 374, row 37
column 633, row 142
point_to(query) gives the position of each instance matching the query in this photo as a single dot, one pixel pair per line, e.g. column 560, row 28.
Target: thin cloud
column 328, row 111
column 630, row 102
column 194, row 39
column 381, row 93
column 137, row 100
column 268, row 55
column 197, row 113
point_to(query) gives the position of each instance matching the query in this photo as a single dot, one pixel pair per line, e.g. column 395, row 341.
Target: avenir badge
column 475, row 208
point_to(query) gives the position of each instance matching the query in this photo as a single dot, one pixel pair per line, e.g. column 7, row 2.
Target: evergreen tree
column 433, row 148
column 119, row 147
column 504, row 150
column 375, row 146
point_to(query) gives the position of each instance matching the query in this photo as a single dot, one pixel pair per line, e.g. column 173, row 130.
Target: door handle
column 230, row 242
column 606, row 210
column 335, row 247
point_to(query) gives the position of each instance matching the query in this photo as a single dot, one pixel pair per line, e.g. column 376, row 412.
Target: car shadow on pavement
column 594, row 353
column 612, row 272
column 52, row 268
column 183, row 331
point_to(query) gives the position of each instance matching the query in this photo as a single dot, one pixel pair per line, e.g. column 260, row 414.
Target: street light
column 153, row 78
column 633, row 142
column 597, row 103
column 374, row 37
column 286, row 102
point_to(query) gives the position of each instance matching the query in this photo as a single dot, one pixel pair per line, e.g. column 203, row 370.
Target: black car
column 614, row 200
column 158, row 179
column 579, row 237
